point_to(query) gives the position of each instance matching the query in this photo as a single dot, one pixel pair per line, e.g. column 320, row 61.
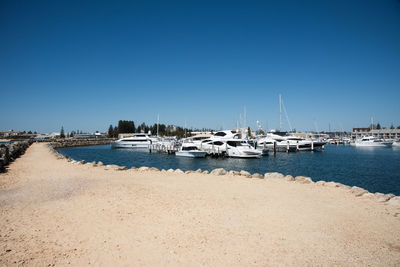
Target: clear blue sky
column 87, row 64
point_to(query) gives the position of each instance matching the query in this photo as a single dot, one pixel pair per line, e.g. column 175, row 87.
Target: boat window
column 220, row 134
column 205, row 141
column 218, row 143
column 189, row 148
column 234, row 143
column 135, row 140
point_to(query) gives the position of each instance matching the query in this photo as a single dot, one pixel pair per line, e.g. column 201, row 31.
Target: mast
column 158, row 122
column 280, row 112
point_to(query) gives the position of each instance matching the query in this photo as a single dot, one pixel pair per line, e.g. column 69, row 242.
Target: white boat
column 136, row 141
column 396, row 143
column 286, row 142
column 240, row 148
column 190, row 150
column 371, row 141
column 212, row 146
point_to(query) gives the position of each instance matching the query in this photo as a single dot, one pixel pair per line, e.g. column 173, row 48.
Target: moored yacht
column 371, row 141
column 240, row 148
column 190, row 150
column 136, row 141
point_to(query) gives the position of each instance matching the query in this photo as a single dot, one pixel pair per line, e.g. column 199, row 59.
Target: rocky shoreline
column 57, row 211
column 62, row 143
column 390, row 199
column 11, row 151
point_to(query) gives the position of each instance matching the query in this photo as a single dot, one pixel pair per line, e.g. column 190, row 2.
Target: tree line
column 163, row 130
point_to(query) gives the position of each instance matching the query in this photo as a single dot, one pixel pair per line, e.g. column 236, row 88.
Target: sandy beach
column 57, row 213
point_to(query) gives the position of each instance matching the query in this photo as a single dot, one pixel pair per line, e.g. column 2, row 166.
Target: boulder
column 188, row 172
column 303, row 179
column 257, row 175
column 379, row 197
column 170, row 170
column 154, row 169
column 233, row 173
column 205, row 172
column 358, row 191
column 121, row 168
column 178, row 171
column 100, row 163
column 144, row 168
column 245, row 173
column 275, row 175
column 82, row 162
column 394, row 201
column 343, row 186
column 332, row 184
column 198, row 170
column 219, row 171
column 289, row 178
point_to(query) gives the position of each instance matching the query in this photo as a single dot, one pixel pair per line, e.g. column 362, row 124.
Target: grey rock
column 379, row 197
column 178, row 171
column 257, row 175
column 289, row 178
column 219, row 171
column 273, row 175
column 206, row 172
column 357, row 191
column 395, row 201
column 245, row 173
column 144, row 168
column 303, row 179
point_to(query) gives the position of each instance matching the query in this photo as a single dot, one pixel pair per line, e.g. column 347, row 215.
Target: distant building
column 382, row 133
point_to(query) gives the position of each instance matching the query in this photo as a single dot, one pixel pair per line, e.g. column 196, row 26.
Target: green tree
column 398, row 127
column 378, row 126
column 392, row 126
column 115, row 132
column 62, row 134
column 126, row 126
column 110, row 131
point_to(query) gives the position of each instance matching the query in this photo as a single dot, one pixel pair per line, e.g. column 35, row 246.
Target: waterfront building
column 381, row 133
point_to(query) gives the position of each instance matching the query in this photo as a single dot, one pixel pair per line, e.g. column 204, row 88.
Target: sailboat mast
column 158, row 122
column 280, row 112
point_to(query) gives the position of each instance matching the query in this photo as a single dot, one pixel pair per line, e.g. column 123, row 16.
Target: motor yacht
column 136, row 141
column 396, row 143
column 240, row 148
column 190, row 150
column 371, row 141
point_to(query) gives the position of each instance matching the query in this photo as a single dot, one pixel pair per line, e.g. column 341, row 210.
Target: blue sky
column 87, row 64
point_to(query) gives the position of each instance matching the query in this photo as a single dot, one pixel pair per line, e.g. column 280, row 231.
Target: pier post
column 274, row 147
column 312, row 145
column 287, row 147
column 297, row 146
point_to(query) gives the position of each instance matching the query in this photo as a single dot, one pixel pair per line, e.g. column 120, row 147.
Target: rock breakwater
column 79, row 142
column 10, row 151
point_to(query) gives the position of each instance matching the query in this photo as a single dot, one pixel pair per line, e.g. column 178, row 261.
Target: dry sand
column 54, row 212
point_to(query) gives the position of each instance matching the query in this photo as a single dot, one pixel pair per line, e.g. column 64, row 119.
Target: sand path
column 53, row 212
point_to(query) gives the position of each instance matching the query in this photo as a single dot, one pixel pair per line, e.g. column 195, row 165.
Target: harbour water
column 375, row 169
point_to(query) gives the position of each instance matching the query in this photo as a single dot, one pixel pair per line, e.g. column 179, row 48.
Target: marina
column 375, row 169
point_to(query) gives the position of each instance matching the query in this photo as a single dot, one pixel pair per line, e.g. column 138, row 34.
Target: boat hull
column 129, row 145
column 191, row 154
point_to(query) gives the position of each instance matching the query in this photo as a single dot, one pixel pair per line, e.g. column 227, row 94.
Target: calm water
column 375, row 169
